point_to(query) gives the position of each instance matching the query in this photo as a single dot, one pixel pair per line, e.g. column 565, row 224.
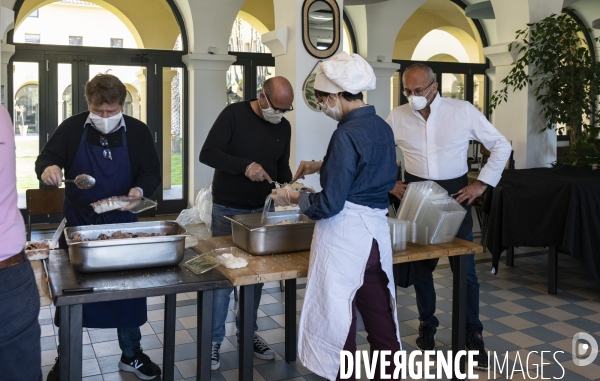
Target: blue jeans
column 20, row 350
column 129, row 340
column 220, row 227
column 425, row 294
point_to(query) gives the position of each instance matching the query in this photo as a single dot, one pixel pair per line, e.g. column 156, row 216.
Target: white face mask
column 269, row 113
column 105, row 125
column 333, row 111
column 417, row 102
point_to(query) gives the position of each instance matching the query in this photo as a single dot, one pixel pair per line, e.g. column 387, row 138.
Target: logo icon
column 584, row 349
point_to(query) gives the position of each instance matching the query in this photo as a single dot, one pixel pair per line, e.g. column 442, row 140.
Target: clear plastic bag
column 200, row 212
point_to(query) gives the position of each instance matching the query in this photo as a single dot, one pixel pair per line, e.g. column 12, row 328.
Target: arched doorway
column 451, row 45
column 144, row 50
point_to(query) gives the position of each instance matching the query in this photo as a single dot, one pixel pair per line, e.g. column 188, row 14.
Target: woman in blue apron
column 112, row 169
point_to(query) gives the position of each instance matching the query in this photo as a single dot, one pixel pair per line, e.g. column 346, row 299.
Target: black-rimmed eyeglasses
column 278, row 110
column 104, row 143
column 417, row 92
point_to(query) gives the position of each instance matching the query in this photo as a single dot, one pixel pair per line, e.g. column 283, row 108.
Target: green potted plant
column 555, row 60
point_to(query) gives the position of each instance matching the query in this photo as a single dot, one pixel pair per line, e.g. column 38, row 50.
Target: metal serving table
column 70, row 290
column 288, row 267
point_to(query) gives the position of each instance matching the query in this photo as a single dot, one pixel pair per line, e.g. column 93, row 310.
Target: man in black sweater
column 118, row 151
column 249, row 148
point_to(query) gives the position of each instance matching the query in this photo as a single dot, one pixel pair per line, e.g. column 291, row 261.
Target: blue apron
column 113, row 178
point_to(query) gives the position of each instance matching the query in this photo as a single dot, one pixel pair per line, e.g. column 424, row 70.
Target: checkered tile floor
column 517, row 313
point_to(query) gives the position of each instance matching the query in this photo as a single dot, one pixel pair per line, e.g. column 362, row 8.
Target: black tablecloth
column 546, row 207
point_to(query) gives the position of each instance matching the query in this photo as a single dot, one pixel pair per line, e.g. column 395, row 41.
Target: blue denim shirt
column 360, row 166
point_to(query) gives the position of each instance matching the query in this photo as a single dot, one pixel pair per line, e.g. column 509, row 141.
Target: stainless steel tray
column 249, row 235
column 127, row 253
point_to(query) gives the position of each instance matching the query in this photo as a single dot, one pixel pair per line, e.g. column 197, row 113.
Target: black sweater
column 63, row 145
column 237, row 138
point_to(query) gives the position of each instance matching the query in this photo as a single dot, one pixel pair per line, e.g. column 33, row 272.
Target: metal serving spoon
column 83, row 181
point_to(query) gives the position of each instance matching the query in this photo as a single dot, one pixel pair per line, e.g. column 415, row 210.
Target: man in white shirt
column 433, row 134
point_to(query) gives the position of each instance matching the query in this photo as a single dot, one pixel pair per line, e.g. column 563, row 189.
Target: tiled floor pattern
column 518, row 315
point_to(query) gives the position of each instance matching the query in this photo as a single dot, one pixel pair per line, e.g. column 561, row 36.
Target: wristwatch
column 483, row 183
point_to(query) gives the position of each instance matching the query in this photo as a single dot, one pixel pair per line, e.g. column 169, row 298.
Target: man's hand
column 307, row 168
column 255, row 172
column 134, row 196
column 470, row 192
column 285, row 197
column 52, row 175
column 399, row 190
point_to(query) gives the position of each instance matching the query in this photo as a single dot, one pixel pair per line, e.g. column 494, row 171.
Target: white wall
column 75, row 20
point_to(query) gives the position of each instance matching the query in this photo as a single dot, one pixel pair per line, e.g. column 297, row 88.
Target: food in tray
column 295, row 186
column 77, row 237
column 108, row 204
column 37, row 250
column 231, row 262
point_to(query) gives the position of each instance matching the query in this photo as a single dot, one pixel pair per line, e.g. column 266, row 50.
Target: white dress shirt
column 436, row 149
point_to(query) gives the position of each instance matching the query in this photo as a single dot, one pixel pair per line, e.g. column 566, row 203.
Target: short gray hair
column 422, row 67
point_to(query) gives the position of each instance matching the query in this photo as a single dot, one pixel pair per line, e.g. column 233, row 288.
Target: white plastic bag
column 200, row 212
column 204, row 206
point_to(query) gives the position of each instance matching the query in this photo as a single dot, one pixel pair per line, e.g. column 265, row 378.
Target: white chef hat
column 344, row 72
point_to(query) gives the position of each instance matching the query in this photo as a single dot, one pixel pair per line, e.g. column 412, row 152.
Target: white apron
column 338, row 257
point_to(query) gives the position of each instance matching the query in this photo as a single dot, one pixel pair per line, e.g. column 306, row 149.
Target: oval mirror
column 321, row 27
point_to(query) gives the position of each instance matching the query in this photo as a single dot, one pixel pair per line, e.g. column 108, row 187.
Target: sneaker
column 262, row 349
column 54, row 374
column 426, row 339
column 215, row 361
column 475, row 343
column 141, row 365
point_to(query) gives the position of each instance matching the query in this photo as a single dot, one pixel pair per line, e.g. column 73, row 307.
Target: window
column 32, row 38
column 35, row 13
column 76, row 40
column 116, row 42
column 244, row 38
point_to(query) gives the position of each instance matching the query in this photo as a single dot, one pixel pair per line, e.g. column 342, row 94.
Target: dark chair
column 43, row 202
column 482, row 217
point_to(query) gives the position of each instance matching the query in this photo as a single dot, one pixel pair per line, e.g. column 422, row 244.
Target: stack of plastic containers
column 443, row 218
column 435, row 216
column 399, row 233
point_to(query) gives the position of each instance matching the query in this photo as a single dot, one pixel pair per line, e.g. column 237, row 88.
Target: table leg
column 64, row 343
column 169, row 338
column 510, row 256
column 71, row 338
column 552, row 270
column 459, row 307
column 245, row 346
column 204, row 340
column 290, row 320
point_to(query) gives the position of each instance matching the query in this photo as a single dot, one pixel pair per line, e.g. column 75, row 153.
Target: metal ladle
column 83, row 181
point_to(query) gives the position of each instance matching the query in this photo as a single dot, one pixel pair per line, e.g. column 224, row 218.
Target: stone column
column 518, row 118
column 381, row 97
column 5, row 55
column 206, row 99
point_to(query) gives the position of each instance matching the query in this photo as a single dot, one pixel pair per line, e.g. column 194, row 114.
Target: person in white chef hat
column 351, row 258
